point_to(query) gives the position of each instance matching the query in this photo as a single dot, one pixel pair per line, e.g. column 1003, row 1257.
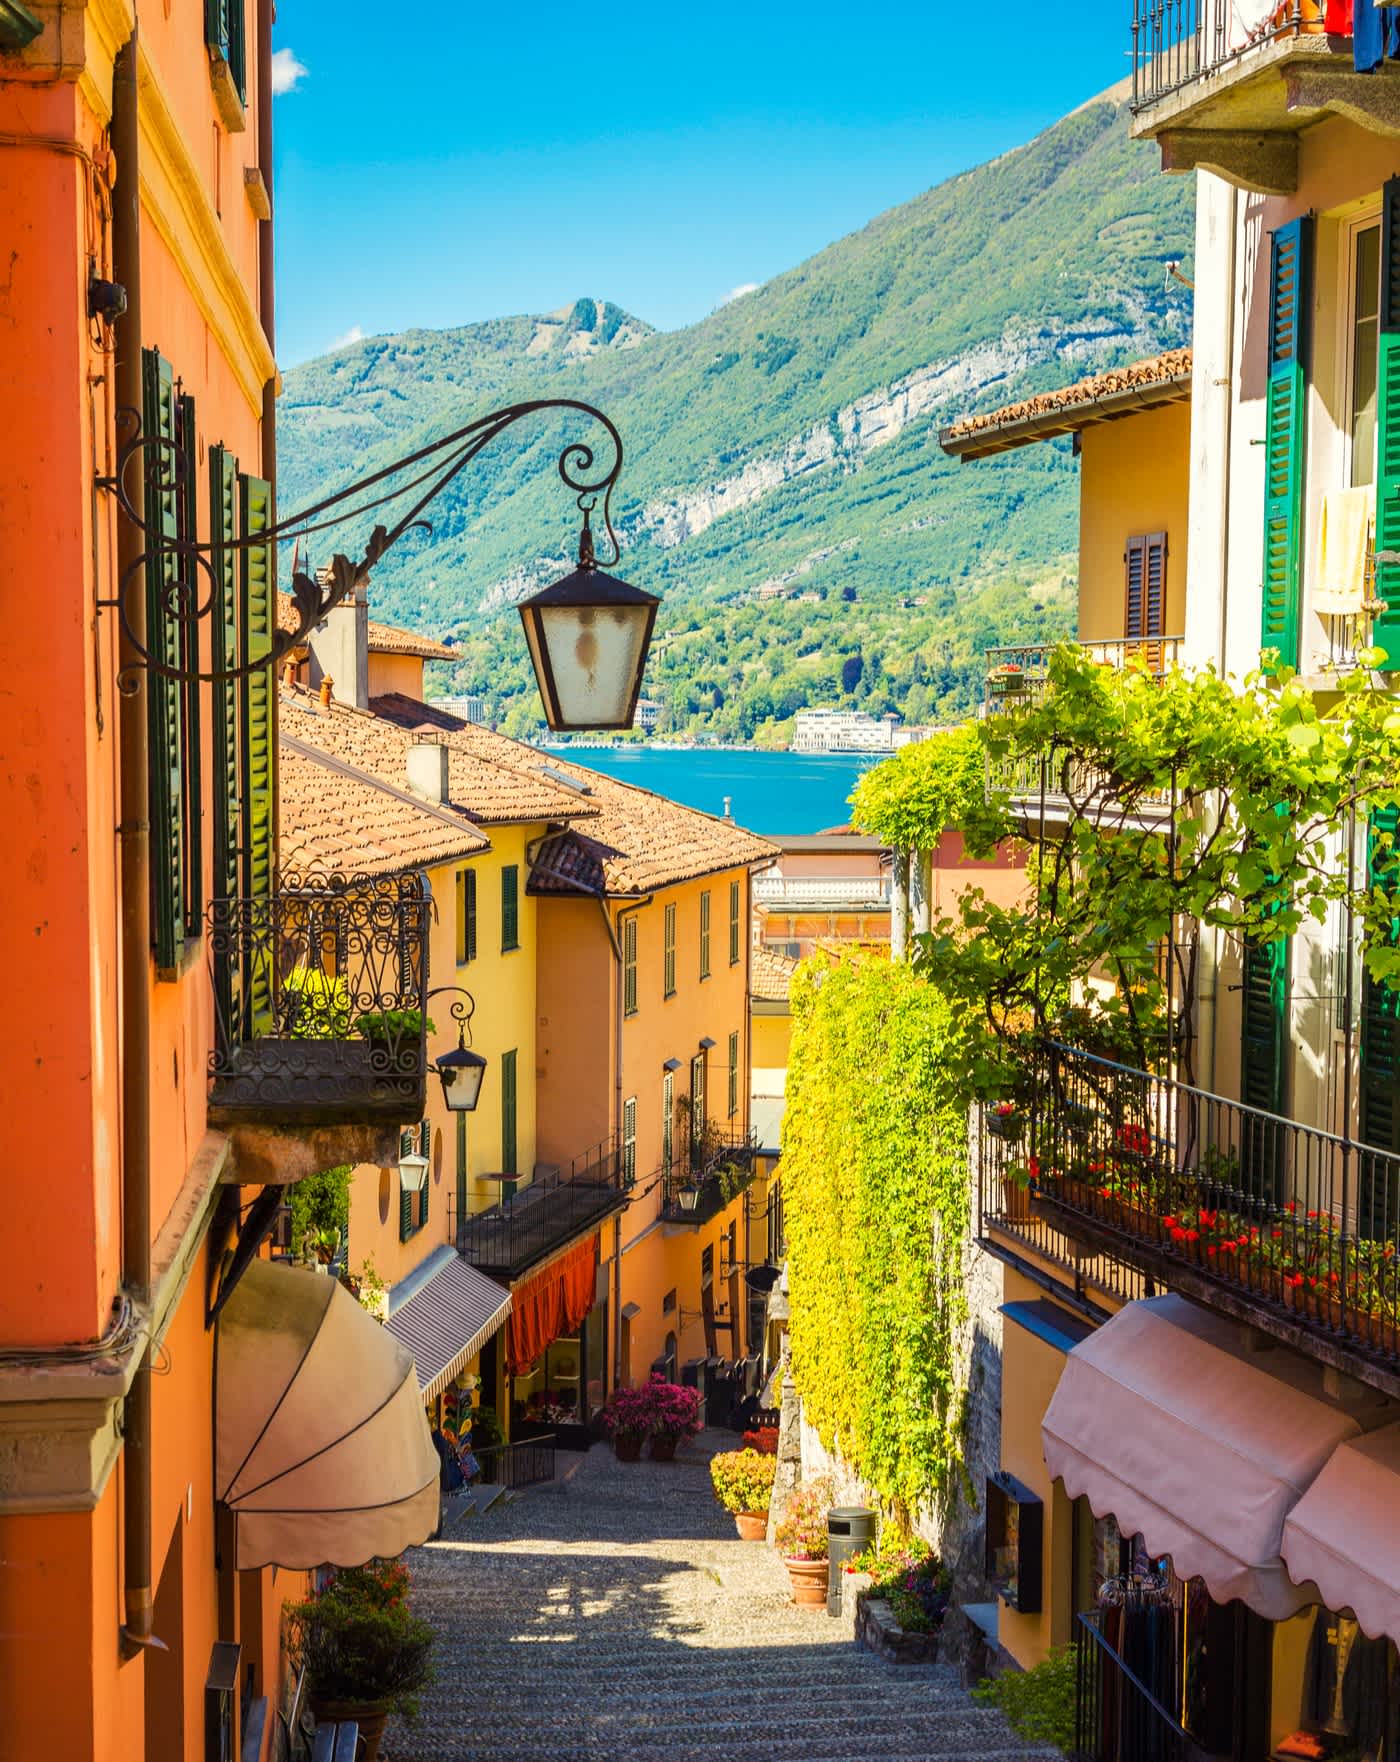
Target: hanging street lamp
column 413, row 1172
column 588, row 637
column 461, row 1071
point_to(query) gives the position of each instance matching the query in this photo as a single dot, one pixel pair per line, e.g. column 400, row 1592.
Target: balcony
column 1138, row 1183
column 319, row 991
column 1043, row 786
column 720, row 1167
column 559, row 1204
column 1224, row 97
column 822, row 893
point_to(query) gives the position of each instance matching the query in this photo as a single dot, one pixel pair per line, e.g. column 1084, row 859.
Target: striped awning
column 447, row 1321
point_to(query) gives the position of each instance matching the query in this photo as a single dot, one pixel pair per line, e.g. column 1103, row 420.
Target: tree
column 852, row 668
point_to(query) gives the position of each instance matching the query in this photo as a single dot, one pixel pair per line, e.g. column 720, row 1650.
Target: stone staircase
column 613, row 1616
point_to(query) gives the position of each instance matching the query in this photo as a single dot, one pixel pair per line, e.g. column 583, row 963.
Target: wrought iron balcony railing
column 719, row 1168
column 1117, row 1718
column 557, row 1204
column 1176, row 42
column 1289, row 1227
column 1016, row 678
column 319, row 994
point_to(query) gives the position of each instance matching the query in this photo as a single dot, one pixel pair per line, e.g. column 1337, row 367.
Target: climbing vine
column 876, row 1198
column 907, row 801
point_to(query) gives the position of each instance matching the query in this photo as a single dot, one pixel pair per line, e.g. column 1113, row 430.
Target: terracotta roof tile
column 770, row 974
column 331, row 817
column 1166, row 375
column 384, row 639
column 636, row 841
column 486, row 791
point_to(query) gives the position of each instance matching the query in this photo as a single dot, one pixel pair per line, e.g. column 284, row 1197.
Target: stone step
column 578, row 1743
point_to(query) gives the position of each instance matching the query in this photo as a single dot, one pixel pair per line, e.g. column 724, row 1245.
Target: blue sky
column 462, row 162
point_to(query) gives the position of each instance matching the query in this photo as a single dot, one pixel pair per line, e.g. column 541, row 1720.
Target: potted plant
column 802, row 1540
column 675, row 1414
column 743, row 1483
column 365, row 1653
column 1016, row 1191
column 627, row 1421
column 398, row 1030
column 1007, row 680
column 1005, row 1120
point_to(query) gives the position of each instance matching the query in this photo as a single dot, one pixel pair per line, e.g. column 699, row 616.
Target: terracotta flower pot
column 1015, row 1200
column 808, row 1580
column 751, row 1525
column 368, row 1715
column 663, row 1447
column 627, row 1448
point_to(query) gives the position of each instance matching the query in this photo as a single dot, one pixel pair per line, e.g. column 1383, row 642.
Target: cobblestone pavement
column 614, row 1616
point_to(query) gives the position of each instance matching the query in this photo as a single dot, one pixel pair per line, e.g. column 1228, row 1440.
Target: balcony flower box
column 1006, row 681
column 1004, row 1122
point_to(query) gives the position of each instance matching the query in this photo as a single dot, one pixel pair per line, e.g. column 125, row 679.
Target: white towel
column 1343, row 540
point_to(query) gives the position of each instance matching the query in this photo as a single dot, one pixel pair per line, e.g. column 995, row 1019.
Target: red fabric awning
column 550, row 1304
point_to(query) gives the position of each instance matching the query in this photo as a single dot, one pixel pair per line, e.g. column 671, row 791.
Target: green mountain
column 783, row 489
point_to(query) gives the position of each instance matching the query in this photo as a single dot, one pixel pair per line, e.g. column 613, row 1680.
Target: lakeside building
column 1156, row 1402
column 471, row 707
column 145, row 1518
column 842, row 731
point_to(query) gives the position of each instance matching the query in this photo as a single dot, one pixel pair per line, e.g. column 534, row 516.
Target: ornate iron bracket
column 163, row 470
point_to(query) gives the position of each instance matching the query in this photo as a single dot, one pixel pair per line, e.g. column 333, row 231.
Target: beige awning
column 322, row 1450
column 1343, row 1535
column 1176, row 1423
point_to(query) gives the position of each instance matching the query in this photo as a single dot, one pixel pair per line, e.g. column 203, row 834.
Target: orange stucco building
column 141, row 1585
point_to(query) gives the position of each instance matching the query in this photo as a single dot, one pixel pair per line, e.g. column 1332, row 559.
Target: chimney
column 427, row 771
column 340, row 646
column 326, row 683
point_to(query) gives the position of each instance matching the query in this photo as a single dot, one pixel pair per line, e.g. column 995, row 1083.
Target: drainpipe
column 899, row 906
column 133, row 836
column 266, row 289
column 615, row 939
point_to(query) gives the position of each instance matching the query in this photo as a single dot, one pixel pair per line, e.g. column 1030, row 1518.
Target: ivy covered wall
column 876, row 1199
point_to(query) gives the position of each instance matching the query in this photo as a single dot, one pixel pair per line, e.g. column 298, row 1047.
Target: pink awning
column 1197, row 1434
column 1343, row 1535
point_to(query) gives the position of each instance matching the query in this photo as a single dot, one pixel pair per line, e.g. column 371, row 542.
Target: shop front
column 554, row 1378
column 1233, row 1545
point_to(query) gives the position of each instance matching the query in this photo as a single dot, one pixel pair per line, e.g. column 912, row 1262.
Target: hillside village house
column 1162, row 1410
column 183, row 1074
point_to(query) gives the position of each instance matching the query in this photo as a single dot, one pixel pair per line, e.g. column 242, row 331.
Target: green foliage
column 1015, row 276
column 359, row 1641
column 1263, row 777
column 801, row 1533
column 743, row 1479
column 908, row 800
column 394, row 1024
column 317, row 1003
column 876, row 1196
column 1038, row 1703
column 320, row 1207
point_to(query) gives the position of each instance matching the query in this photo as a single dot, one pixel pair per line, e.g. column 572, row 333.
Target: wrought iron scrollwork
column 190, row 564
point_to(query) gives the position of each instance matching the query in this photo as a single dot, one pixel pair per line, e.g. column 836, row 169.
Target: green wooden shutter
column 510, row 907
column 461, row 1122
column 735, row 948
column 1265, row 1025
column 668, row 1123
column 165, row 702
column 471, row 914
column 733, row 1075
column 226, row 33
column 1386, row 635
column 406, row 1137
column 509, row 1151
column 224, row 640
column 629, row 1140
column 1380, row 1002
column 257, row 737
column 669, row 958
column 705, row 934
column 1290, row 294
column 425, row 1148
column 191, row 688
column 629, row 966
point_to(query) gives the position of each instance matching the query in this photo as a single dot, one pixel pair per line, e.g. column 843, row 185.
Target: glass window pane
column 1365, row 355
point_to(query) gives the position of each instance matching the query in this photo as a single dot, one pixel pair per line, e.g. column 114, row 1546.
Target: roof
column 636, row 841
column 770, row 974
column 1123, row 391
column 384, row 639
column 485, row 790
column 825, row 843
column 331, row 816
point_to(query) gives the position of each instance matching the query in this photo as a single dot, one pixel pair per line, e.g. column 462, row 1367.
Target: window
column 509, row 1150
column 668, row 1123
column 733, row 1074
column 668, row 1303
column 697, row 1100
column 510, row 908
column 629, row 966
column 1145, row 565
column 413, row 1207
column 705, row 934
column 466, row 916
column 1365, row 353
column 736, row 947
column 629, row 1141
column 225, row 32
column 668, row 986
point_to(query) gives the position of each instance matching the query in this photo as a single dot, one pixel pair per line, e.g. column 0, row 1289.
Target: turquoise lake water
column 770, row 792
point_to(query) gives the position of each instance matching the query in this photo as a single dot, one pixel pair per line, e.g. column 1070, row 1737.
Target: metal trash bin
column 850, row 1530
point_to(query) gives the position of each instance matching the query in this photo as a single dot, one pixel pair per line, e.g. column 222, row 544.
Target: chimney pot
column 326, row 683
column 427, row 771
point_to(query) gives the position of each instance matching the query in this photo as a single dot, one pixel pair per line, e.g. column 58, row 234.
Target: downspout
column 1209, row 1017
column 133, row 837
column 266, row 287
column 614, row 931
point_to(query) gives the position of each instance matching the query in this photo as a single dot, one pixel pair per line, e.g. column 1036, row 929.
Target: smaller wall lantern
column 413, row 1172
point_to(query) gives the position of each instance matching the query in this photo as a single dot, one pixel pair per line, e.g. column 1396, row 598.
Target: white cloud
column 744, row 287
column 355, row 334
column 287, row 72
